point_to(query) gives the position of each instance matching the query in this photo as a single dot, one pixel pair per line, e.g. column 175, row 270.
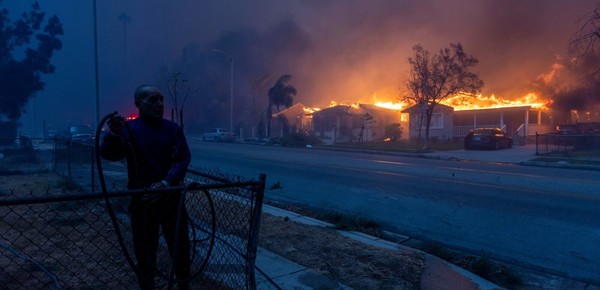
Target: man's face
column 152, row 106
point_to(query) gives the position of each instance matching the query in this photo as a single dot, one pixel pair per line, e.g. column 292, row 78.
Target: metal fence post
column 92, row 169
column 537, row 137
column 253, row 243
column 69, row 160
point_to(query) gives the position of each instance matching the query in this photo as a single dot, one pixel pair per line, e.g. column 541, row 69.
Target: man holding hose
column 157, row 156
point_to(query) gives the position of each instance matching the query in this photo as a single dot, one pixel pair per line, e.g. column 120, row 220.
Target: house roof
column 357, row 109
column 415, row 108
column 292, row 109
column 336, row 110
column 505, row 109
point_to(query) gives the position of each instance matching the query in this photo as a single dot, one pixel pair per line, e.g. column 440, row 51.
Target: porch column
column 526, row 131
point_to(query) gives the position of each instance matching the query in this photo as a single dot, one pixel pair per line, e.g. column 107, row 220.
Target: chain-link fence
column 566, row 144
column 82, row 237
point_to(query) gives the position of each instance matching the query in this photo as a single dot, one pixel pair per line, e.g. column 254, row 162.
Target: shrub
column 298, row 139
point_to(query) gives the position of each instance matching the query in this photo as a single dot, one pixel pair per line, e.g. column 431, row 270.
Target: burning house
column 523, row 118
column 352, row 123
column 295, row 118
column 439, row 128
column 519, row 121
column 448, row 123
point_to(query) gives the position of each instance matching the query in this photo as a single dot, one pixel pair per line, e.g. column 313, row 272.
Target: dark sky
column 343, row 50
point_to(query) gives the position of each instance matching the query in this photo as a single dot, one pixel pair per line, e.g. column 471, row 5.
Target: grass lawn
column 585, row 157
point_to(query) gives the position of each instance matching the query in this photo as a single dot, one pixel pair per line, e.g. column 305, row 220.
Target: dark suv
column 491, row 138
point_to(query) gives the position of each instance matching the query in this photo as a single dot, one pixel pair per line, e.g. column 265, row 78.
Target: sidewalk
column 522, row 155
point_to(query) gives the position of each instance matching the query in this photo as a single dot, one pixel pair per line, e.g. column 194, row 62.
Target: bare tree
column 179, row 94
column 433, row 78
column 584, row 46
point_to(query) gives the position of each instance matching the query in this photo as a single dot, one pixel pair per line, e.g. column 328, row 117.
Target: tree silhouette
column 432, row 78
column 584, row 46
column 281, row 94
column 179, row 92
column 23, row 61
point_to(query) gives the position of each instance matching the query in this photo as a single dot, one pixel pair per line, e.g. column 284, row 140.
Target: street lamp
column 230, row 87
column 96, row 82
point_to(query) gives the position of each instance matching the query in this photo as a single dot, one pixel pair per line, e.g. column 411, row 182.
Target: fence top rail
column 89, row 196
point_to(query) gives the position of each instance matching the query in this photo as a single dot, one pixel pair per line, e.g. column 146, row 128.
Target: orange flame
column 308, row 110
column 468, row 102
column 391, row 105
column 353, row 105
column 465, row 102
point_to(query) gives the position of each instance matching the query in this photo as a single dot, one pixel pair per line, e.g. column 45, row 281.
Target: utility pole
column 96, row 66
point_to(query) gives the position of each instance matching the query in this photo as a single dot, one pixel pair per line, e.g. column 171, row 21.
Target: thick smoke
column 574, row 84
column 344, row 51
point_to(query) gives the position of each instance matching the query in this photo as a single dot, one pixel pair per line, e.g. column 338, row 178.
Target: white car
column 218, row 135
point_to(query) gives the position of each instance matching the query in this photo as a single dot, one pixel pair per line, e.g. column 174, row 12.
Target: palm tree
column 256, row 83
column 281, row 94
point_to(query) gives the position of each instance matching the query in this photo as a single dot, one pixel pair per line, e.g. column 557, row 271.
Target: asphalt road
column 546, row 218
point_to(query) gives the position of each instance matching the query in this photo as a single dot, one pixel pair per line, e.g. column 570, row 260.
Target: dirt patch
column 348, row 261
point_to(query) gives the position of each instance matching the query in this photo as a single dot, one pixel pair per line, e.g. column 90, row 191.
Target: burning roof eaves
column 357, row 109
column 505, row 109
column 336, row 110
column 414, row 108
column 294, row 106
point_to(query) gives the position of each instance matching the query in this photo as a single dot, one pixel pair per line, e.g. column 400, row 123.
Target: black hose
column 109, row 207
column 212, row 233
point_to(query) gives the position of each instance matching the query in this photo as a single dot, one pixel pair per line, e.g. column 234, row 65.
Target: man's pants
column 147, row 217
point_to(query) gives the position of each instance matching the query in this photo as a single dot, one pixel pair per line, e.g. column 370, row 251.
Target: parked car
column 218, row 135
column 82, row 138
column 492, row 138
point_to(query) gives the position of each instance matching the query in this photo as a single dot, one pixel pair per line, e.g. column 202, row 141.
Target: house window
column 437, row 121
column 404, row 117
